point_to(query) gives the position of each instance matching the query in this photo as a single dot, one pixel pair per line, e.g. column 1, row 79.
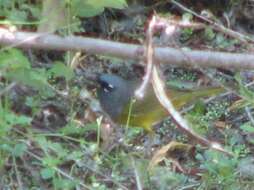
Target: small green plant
column 19, row 12
column 91, row 8
column 209, row 33
column 8, row 119
column 201, row 117
column 220, row 171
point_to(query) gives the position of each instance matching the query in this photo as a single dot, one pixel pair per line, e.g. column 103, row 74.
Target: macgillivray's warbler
column 115, row 95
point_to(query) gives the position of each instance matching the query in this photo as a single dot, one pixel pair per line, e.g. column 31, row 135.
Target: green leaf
column 84, row 9
column 248, row 94
column 117, row 4
column 8, row 119
column 59, row 149
column 13, row 119
column 43, row 144
column 91, row 8
column 12, row 59
column 18, row 15
column 6, row 3
column 35, row 78
column 34, row 10
column 209, row 33
column 50, row 161
column 60, row 183
column 61, row 70
column 47, row 173
column 199, row 107
column 247, row 127
column 75, row 155
column 16, row 67
column 6, row 148
column 19, row 150
column 72, row 129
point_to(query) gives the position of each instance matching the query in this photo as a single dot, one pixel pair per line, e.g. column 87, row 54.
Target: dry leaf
column 166, row 150
column 221, row 124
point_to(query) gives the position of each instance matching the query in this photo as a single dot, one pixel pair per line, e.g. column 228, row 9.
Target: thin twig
column 106, row 177
column 137, row 177
column 190, row 186
column 17, row 174
column 59, row 170
column 247, row 109
column 216, row 26
column 7, row 88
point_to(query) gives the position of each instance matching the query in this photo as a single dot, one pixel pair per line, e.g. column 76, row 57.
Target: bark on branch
column 123, row 50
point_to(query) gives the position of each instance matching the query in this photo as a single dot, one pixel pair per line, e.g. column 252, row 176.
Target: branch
column 123, row 50
column 216, row 26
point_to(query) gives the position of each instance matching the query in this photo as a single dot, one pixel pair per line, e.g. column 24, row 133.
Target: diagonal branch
column 179, row 120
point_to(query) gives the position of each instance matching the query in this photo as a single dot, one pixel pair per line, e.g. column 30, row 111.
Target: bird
column 116, row 96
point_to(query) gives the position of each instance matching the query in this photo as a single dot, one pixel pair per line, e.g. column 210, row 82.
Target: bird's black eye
column 107, row 87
